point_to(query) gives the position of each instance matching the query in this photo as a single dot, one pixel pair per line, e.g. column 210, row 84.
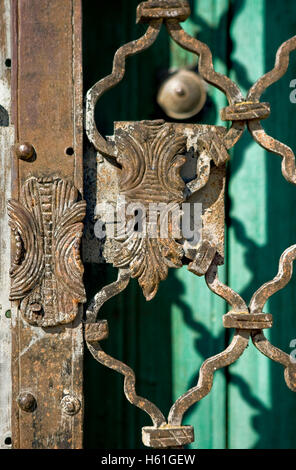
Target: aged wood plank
column 6, row 141
column 247, row 233
column 281, row 229
column 47, row 362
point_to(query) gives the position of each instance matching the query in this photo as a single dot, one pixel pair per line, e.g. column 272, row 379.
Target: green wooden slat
column 250, row 377
column 262, row 225
column 281, row 198
column 249, row 387
column 197, row 330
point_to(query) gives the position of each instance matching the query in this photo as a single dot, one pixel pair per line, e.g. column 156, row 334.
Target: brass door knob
column 182, row 95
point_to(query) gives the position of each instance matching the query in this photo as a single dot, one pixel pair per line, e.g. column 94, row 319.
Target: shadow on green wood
column 261, row 226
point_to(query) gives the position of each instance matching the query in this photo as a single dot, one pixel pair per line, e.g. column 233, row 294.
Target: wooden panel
column 47, row 362
column 197, row 330
column 6, row 141
column 249, row 379
column 262, row 225
column 281, row 203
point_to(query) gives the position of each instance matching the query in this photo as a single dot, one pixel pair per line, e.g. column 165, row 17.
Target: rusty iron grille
column 130, row 152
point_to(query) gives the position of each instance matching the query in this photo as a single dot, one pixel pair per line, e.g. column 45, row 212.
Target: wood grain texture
column 47, row 113
column 6, row 140
column 281, row 224
column 197, row 330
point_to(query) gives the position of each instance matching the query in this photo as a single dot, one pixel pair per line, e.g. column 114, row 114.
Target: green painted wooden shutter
column 167, row 339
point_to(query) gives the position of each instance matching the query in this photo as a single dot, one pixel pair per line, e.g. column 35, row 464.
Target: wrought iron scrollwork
column 129, row 149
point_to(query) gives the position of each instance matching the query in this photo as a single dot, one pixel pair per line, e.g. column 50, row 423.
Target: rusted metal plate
column 6, row 141
column 201, row 185
column 46, row 217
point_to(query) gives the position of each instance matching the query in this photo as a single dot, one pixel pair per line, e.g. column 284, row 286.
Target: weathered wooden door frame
column 46, row 212
column 31, row 179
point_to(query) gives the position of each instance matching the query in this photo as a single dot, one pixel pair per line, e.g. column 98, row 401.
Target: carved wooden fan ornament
column 46, row 274
column 148, row 162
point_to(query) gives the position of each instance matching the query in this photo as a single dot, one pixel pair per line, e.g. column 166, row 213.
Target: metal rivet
column 27, row 402
column 70, row 404
column 182, row 95
column 24, row 151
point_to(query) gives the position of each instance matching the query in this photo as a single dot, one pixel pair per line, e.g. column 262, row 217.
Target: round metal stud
column 182, row 95
column 70, row 404
column 24, row 151
column 27, row 402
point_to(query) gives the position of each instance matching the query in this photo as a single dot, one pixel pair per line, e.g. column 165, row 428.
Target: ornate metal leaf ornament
column 151, row 156
column 150, row 160
column 46, row 274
